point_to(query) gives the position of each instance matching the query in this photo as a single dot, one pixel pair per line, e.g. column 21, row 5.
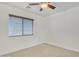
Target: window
column 15, row 26
column 27, row 24
column 19, row 26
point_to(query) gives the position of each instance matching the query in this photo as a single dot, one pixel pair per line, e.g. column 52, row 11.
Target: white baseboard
column 38, row 43
column 75, row 50
column 28, row 46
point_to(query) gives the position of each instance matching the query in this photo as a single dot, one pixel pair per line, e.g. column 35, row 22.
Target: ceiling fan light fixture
column 44, row 5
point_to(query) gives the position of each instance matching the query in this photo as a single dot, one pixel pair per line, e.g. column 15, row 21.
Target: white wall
column 10, row 44
column 63, row 29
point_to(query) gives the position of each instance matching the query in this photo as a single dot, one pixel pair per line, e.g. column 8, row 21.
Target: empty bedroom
column 39, row 29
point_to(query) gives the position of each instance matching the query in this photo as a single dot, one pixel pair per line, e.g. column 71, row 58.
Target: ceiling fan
column 42, row 5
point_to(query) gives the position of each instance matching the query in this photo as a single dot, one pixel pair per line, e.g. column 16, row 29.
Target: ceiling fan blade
column 49, row 2
column 50, row 6
column 28, row 7
column 34, row 3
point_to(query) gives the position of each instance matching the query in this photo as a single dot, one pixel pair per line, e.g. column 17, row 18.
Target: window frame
column 23, row 18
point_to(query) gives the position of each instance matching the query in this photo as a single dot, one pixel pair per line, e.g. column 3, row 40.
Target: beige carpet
column 43, row 50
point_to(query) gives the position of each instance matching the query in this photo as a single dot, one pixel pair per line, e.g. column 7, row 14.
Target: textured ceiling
column 60, row 6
